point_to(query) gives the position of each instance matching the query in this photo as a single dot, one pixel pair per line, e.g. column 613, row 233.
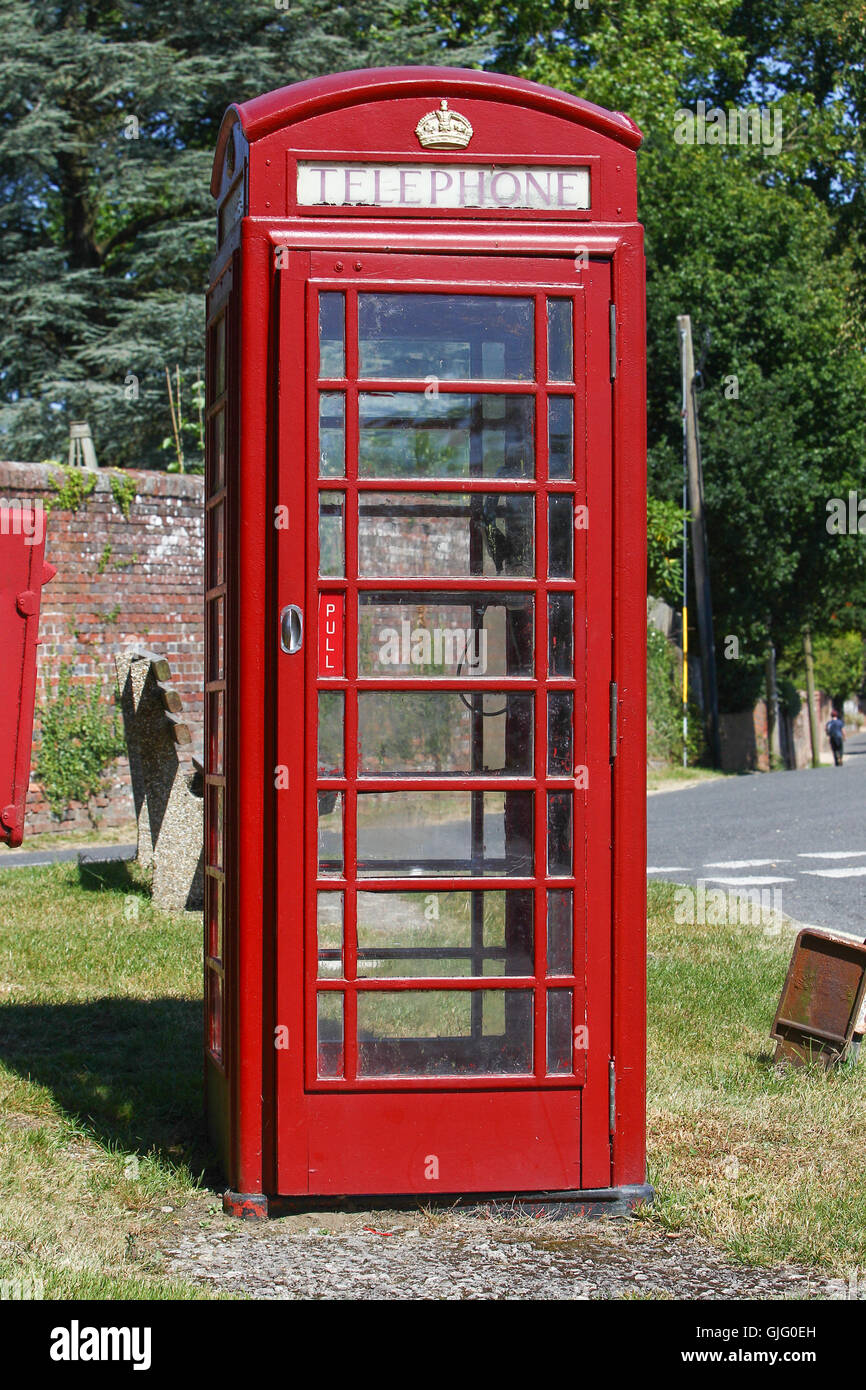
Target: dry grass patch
column 766, row 1164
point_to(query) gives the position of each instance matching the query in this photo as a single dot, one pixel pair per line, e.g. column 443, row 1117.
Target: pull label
column 331, row 615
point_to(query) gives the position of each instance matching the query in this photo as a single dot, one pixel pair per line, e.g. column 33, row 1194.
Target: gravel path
column 410, row 1255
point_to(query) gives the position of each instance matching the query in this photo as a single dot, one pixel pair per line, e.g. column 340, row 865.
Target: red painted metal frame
column 23, row 572
column 280, row 1136
column 412, row 274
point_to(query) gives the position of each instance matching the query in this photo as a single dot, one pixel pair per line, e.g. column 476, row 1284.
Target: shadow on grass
column 129, row 1070
column 111, row 875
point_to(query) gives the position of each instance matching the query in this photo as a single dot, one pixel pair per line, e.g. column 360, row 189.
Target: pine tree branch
column 140, row 224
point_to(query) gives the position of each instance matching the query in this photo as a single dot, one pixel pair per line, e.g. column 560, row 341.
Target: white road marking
column 834, row 854
column 671, row 869
column 852, row 871
column 757, row 881
column 745, row 863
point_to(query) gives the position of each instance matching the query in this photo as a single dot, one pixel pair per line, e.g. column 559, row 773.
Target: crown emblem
column 444, row 129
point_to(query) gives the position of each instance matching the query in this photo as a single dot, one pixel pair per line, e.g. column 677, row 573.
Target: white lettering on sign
column 557, row 188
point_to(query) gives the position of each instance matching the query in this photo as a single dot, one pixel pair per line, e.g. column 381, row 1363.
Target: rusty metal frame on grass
column 822, row 1009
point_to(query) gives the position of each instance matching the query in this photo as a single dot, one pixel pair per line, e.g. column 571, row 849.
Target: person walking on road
column 836, row 735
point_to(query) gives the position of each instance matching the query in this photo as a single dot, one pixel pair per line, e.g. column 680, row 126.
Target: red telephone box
column 425, row 725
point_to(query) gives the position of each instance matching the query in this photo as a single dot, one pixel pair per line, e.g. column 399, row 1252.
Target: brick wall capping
column 25, row 478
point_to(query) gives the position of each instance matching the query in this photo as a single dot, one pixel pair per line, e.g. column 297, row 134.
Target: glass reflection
column 453, row 337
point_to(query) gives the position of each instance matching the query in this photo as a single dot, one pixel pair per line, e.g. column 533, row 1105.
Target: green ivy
column 123, row 491
column 80, row 738
column 72, row 486
column 665, row 706
column 664, row 698
column 664, row 550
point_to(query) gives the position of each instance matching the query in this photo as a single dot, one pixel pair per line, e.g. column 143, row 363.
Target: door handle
column 291, row 629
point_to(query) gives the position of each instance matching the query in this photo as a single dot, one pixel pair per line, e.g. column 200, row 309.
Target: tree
column 109, row 111
column 763, row 251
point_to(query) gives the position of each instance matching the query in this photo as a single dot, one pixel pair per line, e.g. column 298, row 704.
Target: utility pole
column 685, row 680
column 774, row 723
column 810, row 695
column 700, row 561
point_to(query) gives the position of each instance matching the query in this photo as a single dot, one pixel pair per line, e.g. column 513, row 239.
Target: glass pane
column 439, row 434
column 215, row 1013
column 216, row 545
column 448, row 635
column 332, row 334
column 445, row 533
column 445, row 934
column 560, row 634
column 559, row 340
column 443, row 733
column 454, row 337
column 331, row 709
column 219, row 355
column 559, row 834
column 330, row 1033
column 559, row 1032
column 560, row 753
column 218, row 452
column 444, row 1032
column 332, row 556
column 330, row 806
column 216, row 732
column 560, row 520
column 216, row 827
column 559, row 931
column 216, row 663
column 216, row 890
column 332, row 434
column 560, row 436
column 455, row 832
column 329, row 931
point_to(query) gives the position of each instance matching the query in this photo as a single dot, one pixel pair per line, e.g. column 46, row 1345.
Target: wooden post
column 700, row 561
column 774, row 732
column 810, row 695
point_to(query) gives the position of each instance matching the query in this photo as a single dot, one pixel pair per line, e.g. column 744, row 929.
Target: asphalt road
column 800, row 833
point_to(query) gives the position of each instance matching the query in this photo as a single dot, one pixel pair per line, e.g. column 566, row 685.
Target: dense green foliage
column 664, row 696
column 840, row 664
column 664, row 554
column 109, row 112
column 765, row 252
column 664, row 699
column 79, row 738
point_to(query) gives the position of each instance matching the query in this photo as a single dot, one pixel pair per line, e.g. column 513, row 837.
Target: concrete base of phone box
column 552, row 1206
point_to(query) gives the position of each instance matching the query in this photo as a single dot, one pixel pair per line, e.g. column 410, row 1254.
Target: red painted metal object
column 23, row 572
column 425, row 717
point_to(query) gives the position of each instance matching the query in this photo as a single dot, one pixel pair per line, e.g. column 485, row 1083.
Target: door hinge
column 614, row 702
column 613, row 342
column 611, row 1093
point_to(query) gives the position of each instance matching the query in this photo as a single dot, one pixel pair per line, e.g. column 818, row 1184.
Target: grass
column 102, row 1152
column 100, row 1080
column 766, row 1165
column 670, row 775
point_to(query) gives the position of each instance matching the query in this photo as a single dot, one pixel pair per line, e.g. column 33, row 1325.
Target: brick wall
column 745, row 737
column 120, row 582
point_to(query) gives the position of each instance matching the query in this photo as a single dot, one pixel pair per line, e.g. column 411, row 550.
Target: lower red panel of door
column 443, row 1142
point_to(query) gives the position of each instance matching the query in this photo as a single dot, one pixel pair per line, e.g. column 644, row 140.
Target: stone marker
column 168, row 792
